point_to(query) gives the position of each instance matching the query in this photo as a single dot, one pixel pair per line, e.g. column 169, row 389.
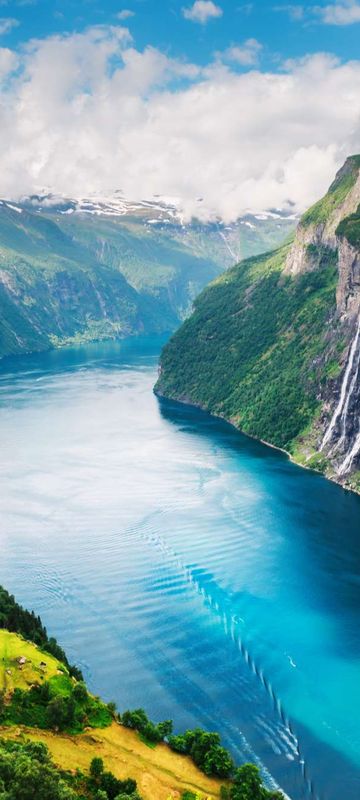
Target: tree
column 136, row 719
column 110, row 785
column 165, row 728
column 32, row 779
column 80, row 693
column 179, row 744
column 151, row 733
column 38, row 751
column 96, row 768
column 57, row 712
column 112, row 708
column 225, row 793
column 218, row 762
column 202, row 743
column 247, row 784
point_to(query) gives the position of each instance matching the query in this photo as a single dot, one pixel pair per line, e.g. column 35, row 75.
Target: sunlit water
column 186, row 568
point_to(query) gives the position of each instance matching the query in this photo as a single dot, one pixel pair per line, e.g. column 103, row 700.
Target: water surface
column 186, row 568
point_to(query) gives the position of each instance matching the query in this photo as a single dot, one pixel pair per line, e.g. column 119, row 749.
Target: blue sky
column 246, row 104
column 281, row 28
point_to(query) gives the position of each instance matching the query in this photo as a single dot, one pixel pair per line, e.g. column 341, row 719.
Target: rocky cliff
column 274, row 345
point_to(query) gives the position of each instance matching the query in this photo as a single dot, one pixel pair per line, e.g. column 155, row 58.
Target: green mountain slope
column 72, row 274
column 273, row 345
column 53, row 290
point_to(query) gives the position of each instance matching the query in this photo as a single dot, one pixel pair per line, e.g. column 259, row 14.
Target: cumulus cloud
column 346, row 12
column 89, row 112
column 125, row 14
column 7, row 24
column 202, row 10
column 246, row 54
column 8, row 62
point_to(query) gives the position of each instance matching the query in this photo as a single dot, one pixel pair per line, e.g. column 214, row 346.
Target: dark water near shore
column 186, row 568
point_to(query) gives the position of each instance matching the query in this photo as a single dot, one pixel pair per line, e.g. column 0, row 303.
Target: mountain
column 80, row 270
column 273, row 344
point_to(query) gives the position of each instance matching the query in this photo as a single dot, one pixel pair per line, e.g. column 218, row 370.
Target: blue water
column 186, row 568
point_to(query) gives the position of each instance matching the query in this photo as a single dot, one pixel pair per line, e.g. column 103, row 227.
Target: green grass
column 340, row 188
column 349, row 229
column 24, row 705
column 12, row 676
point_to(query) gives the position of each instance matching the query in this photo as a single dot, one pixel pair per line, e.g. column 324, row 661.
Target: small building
column 22, row 661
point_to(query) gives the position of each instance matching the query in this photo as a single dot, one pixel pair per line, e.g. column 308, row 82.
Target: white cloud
column 8, row 62
column 202, row 10
column 125, row 14
column 246, row 54
column 7, row 24
column 346, row 12
column 90, row 112
column 295, row 12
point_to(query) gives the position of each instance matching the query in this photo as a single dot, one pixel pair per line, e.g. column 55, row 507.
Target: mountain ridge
column 105, row 271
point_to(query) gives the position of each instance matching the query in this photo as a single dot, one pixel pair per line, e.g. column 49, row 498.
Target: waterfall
column 348, row 460
column 343, row 418
column 343, row 404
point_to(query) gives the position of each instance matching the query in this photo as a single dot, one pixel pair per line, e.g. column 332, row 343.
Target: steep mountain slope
column 274, row 344
column 52, row 289
column 74, row 271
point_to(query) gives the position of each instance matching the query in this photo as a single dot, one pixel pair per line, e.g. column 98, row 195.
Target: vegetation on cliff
column 349, row 229
column 338, row 191
column 251, row 352
column 272, row 343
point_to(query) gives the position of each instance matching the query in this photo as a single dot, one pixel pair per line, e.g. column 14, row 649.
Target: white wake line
column 229, row 627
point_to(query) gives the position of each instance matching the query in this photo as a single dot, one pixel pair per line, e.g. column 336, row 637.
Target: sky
column 220, row 105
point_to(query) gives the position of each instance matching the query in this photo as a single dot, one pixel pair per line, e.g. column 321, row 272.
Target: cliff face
column 274, row 345
column 318, row 228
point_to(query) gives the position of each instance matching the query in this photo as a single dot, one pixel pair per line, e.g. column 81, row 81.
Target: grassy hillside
column 37, row 666
column 160, row 774
column 44, row 709
column 252, row 351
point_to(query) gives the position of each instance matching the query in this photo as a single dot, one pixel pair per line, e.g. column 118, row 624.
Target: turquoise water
column 185, row 567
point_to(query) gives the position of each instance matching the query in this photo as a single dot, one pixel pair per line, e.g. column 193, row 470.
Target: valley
column 78, row 271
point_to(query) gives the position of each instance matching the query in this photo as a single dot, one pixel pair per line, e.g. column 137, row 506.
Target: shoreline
column 186, row 402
